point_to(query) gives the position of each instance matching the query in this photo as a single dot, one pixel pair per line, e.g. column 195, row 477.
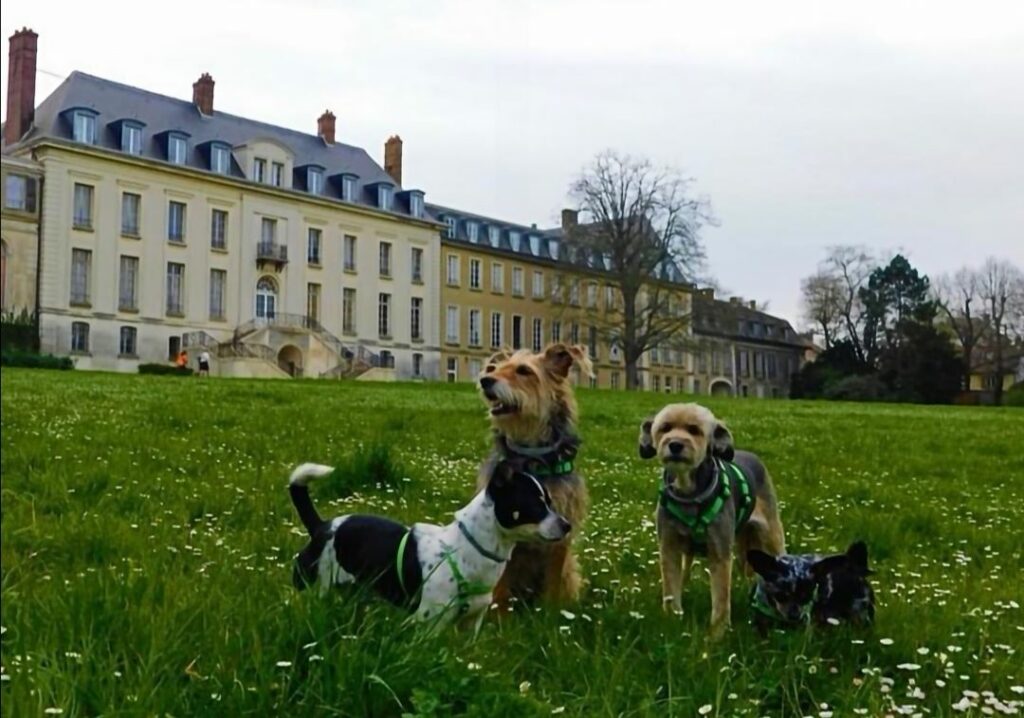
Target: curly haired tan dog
column 533, row 417
column 712, row 499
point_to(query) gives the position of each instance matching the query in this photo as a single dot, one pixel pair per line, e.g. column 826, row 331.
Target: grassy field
column 147, row 538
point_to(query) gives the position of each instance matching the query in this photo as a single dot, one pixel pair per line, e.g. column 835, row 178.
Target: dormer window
column 494, row 235
column 277, row 173
column 131, row 138
column 384, row 195
column 416, row 204
column 534, row 245
column 473, row 232
column 449, row 230
column 348, row 188
column 84, row 126
column 220, row 159
column 553, row 249
column 315, row 180
column 177, row 149
column 513, row 239
column 259, row 170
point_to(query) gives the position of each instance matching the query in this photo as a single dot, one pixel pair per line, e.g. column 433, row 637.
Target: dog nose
column 486, row 382
column 676, row 447
column 564, row 525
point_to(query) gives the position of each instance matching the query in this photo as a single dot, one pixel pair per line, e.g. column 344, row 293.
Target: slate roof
column 114, row 102
column 737, row 320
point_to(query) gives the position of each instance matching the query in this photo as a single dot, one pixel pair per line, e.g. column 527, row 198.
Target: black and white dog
column 441, row 573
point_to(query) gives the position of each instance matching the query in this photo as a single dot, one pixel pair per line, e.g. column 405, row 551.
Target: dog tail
column 299, row 490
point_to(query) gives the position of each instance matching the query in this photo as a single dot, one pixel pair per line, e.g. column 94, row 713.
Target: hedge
column 32, row 360
column 164, row 369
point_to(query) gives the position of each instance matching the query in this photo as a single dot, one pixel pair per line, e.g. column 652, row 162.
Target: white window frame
column 348, row 310
column 475, row 338
column 314, row 258
column 259, row 170
column 220, row 159
column 538, row 284
column 217, row 304
column 452, row 321
column 128, row 284
column 416, row 319
column 384, row 315
column 131, row 138
column 475, row 270
column 177, row 149
column 218, row 230
column 349, row 247
column 450, row 226
column 452, row 270
column 498, row 277
column 277, row 174
column 133, row 349
column 384, row 259
column 517, row 281
column 131, row 230
column 497, row 330
column 537, row 335
column 84, row 127
column 416, row 265
column 182, row 233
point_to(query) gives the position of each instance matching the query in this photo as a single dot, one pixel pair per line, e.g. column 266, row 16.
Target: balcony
column 271, row 253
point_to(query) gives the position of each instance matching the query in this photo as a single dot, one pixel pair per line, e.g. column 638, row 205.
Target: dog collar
column 480, row 549
column 533, row 452
column 698, row 512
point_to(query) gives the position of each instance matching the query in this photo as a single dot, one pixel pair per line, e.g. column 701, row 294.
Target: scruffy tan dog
column 533, row 417
column 713, row 499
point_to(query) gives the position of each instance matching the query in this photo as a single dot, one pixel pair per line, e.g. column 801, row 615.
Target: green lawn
column 147, row 538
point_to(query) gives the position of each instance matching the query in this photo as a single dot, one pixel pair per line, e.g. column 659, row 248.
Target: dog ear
column 857, row 558
column 501, row 475
column 645, row 445
column 495, row 359
column 764, row 564
column 559, row 358
column 721, row 442
column 823, row 567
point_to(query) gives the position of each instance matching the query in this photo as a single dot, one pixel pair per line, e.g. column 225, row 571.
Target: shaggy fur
column 687, row 438
column 533, row 416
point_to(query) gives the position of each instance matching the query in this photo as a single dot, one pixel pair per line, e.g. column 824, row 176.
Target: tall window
column 453, row 270
column 517, row 281
column 452, row 369
column 497, row 277
column 416, row 205
column 259, row 170
column 219, row 229
column 473, row 231
column 348, row 188
column 177, row 149
column 517, row 331
column 556, row 289
column 538, row 334
column 538, row 284
column 81, row 275
column 474, row 328
column 384, row 194
column 474, row 273
column 556, row 330
column 574, row 292
column 385, row 259
column 451, row 324
column 416, row 262
column 176, row 221
column 220, row 159
column 416, row 319
column 349, row 247
column 313, row 301
column 592, row 341
column 277, row 174
column 497, row 327
column 82, row 217
column 348, row 310
column 175, row 289
column 384, row 315
column 268, row 232
column 609, row 297
column 266, row 298
column 79, row 337
column 218, row 290
column 313, row 237
column 84, row 129
column 127, row 345
column 128, row 284
column 417, row 364
column 494, row 235
column 592, row 295
column 19, row 193
column 449, row 227
column 574, row 333
column 130, row 205
column 315, row 180
column 131, row 139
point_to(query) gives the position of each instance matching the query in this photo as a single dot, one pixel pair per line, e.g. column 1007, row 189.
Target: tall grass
column 147, row 539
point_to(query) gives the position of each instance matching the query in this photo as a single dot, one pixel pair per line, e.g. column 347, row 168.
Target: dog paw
column 718, row 630
column 672, row 605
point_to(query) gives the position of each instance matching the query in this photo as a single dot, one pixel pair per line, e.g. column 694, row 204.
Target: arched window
column 266, row 298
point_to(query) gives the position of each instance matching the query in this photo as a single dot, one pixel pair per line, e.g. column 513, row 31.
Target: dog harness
column 700, row 512
column 464, row 589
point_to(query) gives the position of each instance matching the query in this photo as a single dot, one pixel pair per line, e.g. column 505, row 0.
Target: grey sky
column 895, row 124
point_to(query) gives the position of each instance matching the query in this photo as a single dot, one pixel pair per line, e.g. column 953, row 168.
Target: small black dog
column 794, row 589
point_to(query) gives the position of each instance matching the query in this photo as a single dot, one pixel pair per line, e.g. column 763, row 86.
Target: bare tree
column 641, row 225
column 823, row 300
column 958, row 298
column 852, row 265
column 1000, row 285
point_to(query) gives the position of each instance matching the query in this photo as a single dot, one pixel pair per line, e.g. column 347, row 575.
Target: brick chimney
column 325, row 127
column 393, row 158
column 753, row 304
column 569, row 219
column 202, row 93
column 21, row 85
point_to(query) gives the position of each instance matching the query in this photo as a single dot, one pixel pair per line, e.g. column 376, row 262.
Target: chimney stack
column 21, row 85
column 393, row 158
column 736, row 301
column 202, row 94
column 569, row 219
column 325, row 127
column 753, row 304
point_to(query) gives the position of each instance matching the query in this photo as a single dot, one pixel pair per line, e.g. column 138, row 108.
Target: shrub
column 1014, row 396
column 32, row 360
column 858, row 388
column 18, row 332
column 164, row 369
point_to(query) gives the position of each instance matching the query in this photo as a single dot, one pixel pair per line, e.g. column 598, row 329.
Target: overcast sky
column 895, row 124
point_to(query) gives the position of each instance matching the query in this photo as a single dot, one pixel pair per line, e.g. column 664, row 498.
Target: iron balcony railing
column 271, row 251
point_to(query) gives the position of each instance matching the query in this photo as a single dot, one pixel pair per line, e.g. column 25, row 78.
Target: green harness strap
column 465, row 590
column 698, row 523
column 400, row 561
column 560, row 468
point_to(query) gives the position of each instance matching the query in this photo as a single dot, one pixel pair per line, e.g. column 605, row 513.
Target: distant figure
column 204, row 363
column 182, row 359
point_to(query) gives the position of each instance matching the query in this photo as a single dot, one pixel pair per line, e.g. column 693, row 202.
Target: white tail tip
column 305, row 473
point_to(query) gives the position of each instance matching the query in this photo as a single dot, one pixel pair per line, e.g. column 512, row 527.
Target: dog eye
column 694, row 429
column 664, row 428
column 489, row 369
column 523, row 370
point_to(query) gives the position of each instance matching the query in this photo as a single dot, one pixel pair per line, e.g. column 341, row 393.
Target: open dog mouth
column 500, row 407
